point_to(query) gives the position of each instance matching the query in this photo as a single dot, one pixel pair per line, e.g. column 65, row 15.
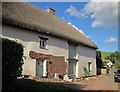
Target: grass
column 24, row 85
column 105, row 54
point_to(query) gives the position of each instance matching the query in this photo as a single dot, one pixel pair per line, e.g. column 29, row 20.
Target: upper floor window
column 72, row 50
column 43, row 41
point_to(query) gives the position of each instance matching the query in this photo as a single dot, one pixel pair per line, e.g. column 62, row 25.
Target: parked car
column 117, row 76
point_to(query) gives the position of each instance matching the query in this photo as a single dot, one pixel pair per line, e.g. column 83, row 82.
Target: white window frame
column 42, row 43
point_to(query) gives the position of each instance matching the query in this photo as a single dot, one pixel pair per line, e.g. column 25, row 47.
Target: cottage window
column 43, row 42
column 89, row 66
column 72, row 51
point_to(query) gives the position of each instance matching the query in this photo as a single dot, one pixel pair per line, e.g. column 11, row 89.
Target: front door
column 39, row 68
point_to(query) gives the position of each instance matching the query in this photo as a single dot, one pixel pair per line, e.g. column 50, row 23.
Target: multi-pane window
column 43, row 42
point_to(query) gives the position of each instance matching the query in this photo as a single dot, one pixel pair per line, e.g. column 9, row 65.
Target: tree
column 98, row 61
column 117, row 64
column 117, row 55
column 98, row 54
column 114, row 57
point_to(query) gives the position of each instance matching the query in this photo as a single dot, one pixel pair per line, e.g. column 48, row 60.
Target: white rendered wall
column 86, row 55
column 30, row 41
column 55, row 46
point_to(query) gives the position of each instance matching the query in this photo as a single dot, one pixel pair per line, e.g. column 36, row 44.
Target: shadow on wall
column 31, row 36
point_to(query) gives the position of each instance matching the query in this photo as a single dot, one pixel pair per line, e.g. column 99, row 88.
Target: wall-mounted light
column 50, row 62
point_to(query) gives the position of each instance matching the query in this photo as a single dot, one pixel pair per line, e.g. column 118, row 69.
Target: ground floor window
column 89, row 66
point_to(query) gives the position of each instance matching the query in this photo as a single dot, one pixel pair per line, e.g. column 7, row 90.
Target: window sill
column 43, row 48
column 72, row 59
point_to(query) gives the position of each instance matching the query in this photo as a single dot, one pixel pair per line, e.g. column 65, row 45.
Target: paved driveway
column 103, row 83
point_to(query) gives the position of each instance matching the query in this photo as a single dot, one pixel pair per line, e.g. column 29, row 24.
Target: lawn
column 26, row 85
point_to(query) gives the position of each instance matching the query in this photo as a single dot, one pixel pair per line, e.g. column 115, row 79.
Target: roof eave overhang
column 48, row 33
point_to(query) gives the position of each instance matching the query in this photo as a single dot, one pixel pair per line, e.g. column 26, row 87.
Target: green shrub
column 117, row 65
column 12, row 53
column 86, row 72
column 12, row 61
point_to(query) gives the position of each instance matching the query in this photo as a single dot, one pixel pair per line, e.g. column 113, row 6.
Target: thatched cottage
column 51, row 45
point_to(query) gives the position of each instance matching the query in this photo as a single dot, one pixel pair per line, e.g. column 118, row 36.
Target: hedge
column 12, row 53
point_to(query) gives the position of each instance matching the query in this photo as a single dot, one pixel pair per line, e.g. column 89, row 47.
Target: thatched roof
column 25, row 15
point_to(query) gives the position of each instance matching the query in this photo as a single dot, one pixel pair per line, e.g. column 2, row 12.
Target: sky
column 98, row 21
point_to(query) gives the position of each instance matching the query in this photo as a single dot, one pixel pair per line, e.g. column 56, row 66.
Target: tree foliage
column 98, row 62
column 117, row 55
column 114, row 57
column 98, row 54
column 117, row 65
column 98, row 59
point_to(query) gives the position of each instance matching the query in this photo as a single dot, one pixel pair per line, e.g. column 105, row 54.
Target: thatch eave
column 12, row 23
column 19, row 14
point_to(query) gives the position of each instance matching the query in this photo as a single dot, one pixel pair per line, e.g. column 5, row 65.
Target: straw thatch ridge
column 25, row 15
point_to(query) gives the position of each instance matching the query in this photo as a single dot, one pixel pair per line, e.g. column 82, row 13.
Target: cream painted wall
column 55, row 46
column 86, row 55
column 30, row 41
